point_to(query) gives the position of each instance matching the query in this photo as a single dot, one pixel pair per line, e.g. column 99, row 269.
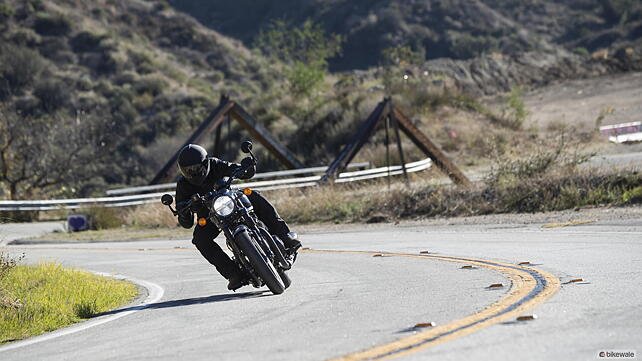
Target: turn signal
column 247, row 191
column 202, row 222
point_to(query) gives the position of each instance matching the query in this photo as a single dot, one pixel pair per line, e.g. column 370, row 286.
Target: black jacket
column 184, row 189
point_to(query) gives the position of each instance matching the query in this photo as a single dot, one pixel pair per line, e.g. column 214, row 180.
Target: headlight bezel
column 224, row 206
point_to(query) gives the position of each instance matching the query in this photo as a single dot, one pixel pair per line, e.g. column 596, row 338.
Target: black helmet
column 193, row 163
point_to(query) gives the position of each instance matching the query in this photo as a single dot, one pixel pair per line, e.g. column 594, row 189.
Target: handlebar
column 197, row 198
column 236, row 173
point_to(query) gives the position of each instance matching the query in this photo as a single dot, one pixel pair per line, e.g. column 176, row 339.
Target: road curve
column 343, row 304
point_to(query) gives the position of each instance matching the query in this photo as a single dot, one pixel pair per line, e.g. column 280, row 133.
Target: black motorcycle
column 259, row 254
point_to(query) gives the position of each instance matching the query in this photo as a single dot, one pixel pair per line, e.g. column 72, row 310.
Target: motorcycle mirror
column 246, row 146
column 167, row 199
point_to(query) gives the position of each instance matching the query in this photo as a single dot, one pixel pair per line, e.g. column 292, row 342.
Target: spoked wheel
column 260, row 262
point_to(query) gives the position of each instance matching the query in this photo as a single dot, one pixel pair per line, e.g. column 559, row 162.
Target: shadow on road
column 191, row 301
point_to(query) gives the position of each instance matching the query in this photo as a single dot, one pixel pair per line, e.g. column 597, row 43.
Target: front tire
column 260, row 262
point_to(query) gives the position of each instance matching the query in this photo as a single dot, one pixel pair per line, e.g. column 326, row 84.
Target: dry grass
column 557, row 190
column 328, row 204
column 152, row 215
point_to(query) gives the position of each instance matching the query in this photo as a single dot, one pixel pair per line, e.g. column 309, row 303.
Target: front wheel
column 285, row 278
column 260, row 262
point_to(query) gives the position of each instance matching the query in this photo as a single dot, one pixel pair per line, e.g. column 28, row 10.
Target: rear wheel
column 260, row 262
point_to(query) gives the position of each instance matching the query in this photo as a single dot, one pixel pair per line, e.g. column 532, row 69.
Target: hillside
column 135, row 72
column 457, row 29
column 100, row 94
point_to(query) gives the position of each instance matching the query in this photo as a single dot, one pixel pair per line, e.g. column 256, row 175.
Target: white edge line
column 155, row 292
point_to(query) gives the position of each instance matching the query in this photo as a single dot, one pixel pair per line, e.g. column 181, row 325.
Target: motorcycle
column 261, row 255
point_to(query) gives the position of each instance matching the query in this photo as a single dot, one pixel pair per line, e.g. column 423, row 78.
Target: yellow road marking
column 523, row 284
column 574, row 223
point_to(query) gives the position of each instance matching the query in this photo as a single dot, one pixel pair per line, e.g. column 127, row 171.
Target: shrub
column 560, row 154
column 19, row 67
column 27, row 105
column 7, row 263
column 143, row 61
column 304, row 78
column 26, row 37
column 633, row 196
column 305, row 49
column 53, row 94
column 467, row 46
column 102, row 63
column 514, row 113
column 86, row 308
column 52, row 25
column 153, row 85
column 87, row 41
column 6, row 11
column 581, row 51
column 104, row 217
column 143, row 101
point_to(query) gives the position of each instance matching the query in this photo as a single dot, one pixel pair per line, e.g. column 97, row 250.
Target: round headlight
column 224, row 206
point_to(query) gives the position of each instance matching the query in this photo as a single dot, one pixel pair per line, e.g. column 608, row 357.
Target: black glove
column 185, row 215
column 250, row 164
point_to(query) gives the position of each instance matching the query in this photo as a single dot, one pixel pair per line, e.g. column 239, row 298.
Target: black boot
column 236, row 281
column 292, row 244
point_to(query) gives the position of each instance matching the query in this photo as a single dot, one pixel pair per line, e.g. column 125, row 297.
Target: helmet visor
column 196, row 171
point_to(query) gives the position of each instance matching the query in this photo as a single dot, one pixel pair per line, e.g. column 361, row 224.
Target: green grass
column 46, row 297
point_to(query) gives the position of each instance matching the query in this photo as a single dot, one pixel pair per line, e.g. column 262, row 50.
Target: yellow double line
column 529, row 288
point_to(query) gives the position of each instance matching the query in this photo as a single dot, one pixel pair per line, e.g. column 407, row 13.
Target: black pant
column 204, row 236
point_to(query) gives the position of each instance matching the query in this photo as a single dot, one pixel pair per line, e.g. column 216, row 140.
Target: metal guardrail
column 139, row 199
column 624, row 132
column 276, row 174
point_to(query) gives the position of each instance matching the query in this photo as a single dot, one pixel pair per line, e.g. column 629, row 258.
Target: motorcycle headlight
column 224, row 206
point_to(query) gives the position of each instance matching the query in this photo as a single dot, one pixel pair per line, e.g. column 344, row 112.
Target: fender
column 240, row 229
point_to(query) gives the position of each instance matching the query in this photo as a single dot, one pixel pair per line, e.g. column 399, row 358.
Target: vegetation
column 514, row 113
column 82, row 101
column 51, row 154
column 94, row 96
column 38, row 299
column 305, row 51
column 458, row 29
column 557, row 191
column 547, row 180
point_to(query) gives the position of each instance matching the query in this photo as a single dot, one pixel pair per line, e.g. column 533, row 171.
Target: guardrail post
column 351, row 149
column 214, row 119
column 395, row 124
column 263, row 135
column 431, row 149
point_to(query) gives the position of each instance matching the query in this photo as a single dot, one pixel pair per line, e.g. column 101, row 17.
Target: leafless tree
column 44, row 156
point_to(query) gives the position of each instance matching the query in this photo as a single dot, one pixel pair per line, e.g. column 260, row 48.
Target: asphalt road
column 341, row 303
column 12, row 231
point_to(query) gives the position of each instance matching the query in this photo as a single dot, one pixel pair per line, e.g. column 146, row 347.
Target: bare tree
column 42, row 156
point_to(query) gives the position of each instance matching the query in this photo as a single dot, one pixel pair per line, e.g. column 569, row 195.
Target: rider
column 200, row 174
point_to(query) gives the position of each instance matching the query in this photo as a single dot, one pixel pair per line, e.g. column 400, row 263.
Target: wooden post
column 430, row 149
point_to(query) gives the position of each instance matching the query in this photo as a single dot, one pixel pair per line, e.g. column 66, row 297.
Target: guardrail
column 139, row 199
column 276, row 174
column 624, row 132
